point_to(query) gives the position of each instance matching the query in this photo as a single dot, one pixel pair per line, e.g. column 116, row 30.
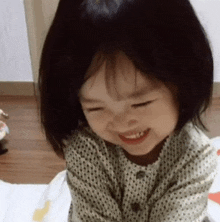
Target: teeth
column 138, row 135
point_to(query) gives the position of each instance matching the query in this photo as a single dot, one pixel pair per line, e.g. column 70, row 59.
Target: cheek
column 96, row 119
column 98, row 123
column 166, row 116
column 162, row 114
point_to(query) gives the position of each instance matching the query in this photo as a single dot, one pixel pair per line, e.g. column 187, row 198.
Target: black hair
column 163, row 39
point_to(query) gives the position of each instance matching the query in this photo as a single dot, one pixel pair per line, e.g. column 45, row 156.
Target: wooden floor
column 30, row 158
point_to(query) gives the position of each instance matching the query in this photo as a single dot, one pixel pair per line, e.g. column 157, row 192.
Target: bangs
column 115, row 64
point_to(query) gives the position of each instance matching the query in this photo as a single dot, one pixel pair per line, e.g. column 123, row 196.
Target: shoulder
column 186, row 174
column 192, row 139
column 84, row 143
column 193, row 133
column 189, row 146
column 189, row 156
column 195, row 149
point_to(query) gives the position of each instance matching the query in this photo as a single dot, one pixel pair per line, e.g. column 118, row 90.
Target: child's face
column 109, row 117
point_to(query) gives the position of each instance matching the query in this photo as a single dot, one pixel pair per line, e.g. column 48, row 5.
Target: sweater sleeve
column 187, row 198
column 89, row 184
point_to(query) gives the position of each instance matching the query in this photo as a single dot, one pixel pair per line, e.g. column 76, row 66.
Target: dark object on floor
column 208, row 219
column 3, row 150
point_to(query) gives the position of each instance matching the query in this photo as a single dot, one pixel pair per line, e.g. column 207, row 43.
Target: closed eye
column 134, row 105
column 94, row 109
column 143, row 104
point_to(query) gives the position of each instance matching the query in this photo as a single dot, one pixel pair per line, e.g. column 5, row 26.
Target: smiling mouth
column 135, row 140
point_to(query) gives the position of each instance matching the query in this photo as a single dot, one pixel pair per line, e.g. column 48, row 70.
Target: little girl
column 123, row 85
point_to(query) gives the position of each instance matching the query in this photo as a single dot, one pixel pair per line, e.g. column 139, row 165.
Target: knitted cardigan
column 105, row 186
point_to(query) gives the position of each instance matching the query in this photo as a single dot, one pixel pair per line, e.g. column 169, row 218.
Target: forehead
column 117, row 77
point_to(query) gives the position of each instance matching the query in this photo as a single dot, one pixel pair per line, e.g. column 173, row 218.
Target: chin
column 136, row 152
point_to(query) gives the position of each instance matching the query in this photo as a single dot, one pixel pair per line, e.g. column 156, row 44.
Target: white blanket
column 41, row 203
column 51, row 202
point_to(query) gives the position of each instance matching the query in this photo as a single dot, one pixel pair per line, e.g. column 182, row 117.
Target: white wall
column 208, row 12
column 15, row 64
column 39, row 15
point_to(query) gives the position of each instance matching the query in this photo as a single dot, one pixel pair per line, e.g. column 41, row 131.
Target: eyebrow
column 133, row 95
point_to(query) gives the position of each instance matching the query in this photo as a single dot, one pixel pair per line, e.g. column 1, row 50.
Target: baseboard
column 216, row 89
column 28, row 89
column 17, row 88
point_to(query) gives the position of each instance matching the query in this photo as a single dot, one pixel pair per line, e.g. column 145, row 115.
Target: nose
column 123, row 122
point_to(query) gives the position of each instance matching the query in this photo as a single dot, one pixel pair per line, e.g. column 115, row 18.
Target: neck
column 148, row 158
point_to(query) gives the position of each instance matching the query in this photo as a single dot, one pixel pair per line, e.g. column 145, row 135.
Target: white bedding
column 27, row 203
column 50, row 202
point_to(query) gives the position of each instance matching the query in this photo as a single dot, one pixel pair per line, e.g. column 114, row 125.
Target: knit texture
column 105, row 186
